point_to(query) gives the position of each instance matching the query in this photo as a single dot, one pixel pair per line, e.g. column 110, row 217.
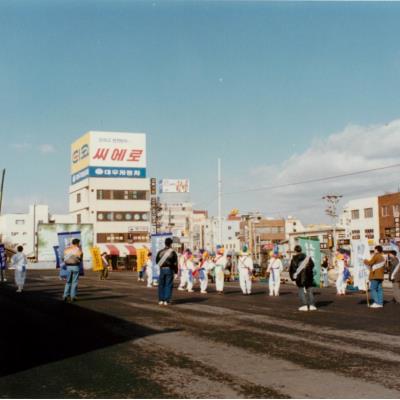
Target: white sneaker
column 181, row 289
column 303, row 308
column 375, row 305
column 190, row 291
column 166, row 303
column 160, row 303
column 313, row 308
column 203, row 292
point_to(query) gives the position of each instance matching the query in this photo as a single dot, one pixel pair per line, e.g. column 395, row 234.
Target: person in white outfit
column 187, row 269
column 275, row 268
column 206, row 265
column 19, row 262
column 149, row 271
column 341, row 282
column 245, row 266
column 219, row 269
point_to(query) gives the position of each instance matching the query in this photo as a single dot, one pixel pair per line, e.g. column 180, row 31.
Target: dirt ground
column 117, row 342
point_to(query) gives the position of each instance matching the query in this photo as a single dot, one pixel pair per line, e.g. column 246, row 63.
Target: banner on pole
column 360, row 252
column 65, row 240
column 157, row 244
column 141, row 258
column 311, row 247
column 3, row 257
column 97, row 261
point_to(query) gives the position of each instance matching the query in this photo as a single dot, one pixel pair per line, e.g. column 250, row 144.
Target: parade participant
column 274, row 269
column 325, row 272
column 187, row 269
column 3, row 263
column 394, row 276
column 228, row 268
column 19, row 262
column 341, row 281
column 245, row 266
column 376, row 266
column 72, row 258
column 219, row 268
column 149, row 271
column 167, row 260
column 104, row 271
column 140, row 271
column 205, row 266
column 301, row 271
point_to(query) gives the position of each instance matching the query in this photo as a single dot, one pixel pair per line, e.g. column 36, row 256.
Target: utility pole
column 3, row 174
column 332, row 202
column 219, row 202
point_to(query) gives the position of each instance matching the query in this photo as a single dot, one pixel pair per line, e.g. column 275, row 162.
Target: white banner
column 174, row 186
column 360, row 252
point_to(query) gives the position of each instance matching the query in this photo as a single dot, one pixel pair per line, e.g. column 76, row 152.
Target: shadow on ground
column 37, row 328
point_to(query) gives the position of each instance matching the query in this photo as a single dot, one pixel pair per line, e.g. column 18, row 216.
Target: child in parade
column 341, row 281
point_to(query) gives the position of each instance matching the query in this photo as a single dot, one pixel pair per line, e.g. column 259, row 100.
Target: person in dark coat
column 167, row 260
column 301, row 271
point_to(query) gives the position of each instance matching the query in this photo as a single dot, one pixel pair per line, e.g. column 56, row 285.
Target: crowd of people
column 192, row 269
column 198, row 269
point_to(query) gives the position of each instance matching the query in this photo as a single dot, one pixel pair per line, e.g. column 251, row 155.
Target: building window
column 369, row 233
column 78, row 198
column 122, row 195
column 356, row 235
column 78, row 218
column 396, row 210
column 355, row 214
column 20, row 222
column 108, row 216
column 368, row 212
column 385, row 211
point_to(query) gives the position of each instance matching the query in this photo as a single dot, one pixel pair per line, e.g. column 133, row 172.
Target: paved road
column 116, row 342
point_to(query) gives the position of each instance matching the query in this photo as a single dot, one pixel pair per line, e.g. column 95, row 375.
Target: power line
column 314, row 180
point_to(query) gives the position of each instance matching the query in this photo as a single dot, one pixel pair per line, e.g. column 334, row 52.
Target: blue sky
column 255, row 83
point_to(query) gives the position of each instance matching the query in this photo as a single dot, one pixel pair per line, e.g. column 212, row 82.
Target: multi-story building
column 176, row 217
column 20, row 229
column 199, row 220
column 110, row 190
column 230, row 228
column 360, row 219
column 389, row 217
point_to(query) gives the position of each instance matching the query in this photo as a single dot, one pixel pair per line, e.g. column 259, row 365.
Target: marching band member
column 275, row 268
column 219, row 269
column 245, row 265
column 187, row 269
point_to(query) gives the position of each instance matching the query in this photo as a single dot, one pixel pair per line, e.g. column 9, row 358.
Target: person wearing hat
column 341, row 282
column 245, row 265
column 187, row 269
column 205, row 266
column 219, row 269
column 275, row 267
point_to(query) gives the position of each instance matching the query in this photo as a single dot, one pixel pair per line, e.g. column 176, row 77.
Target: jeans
column 376, row 292
column 71, row 287
column 165, row 284
column 306, row 296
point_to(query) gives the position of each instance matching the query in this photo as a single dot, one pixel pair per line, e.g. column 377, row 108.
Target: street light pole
column 219, row 202
column 333, row 201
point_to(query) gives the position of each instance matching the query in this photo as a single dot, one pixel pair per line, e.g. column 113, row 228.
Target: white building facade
column 360, row 219
column 110, row 189
column 230, row 234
